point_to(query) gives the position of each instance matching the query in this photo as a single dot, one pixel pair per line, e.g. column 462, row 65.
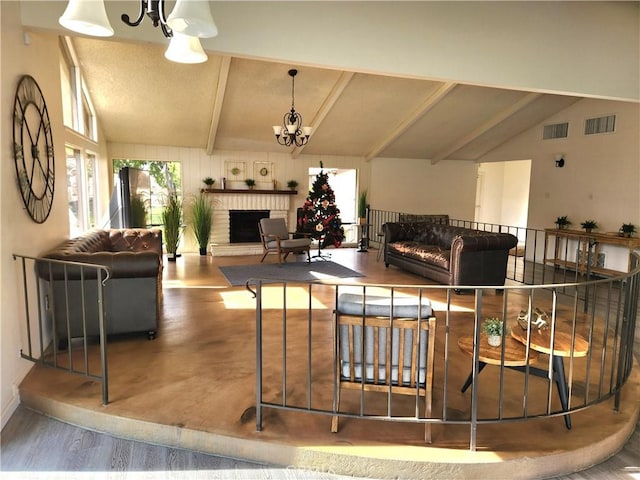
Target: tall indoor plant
column 172, row 220
column 362, row 207
column 202, row 221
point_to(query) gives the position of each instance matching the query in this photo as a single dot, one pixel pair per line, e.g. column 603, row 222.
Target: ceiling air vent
column 596, row 125
column 558, row 130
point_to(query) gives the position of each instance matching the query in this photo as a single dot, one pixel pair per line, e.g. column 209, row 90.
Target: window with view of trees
column 165, row 177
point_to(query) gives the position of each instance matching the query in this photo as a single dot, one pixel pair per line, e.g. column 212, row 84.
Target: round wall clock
column 33, row 149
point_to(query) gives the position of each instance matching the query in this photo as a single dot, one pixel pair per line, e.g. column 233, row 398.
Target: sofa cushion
column 379, row 306
column 432, row 254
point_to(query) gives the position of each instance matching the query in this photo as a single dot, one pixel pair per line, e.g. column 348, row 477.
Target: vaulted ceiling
column 231, row 103
column 424, row 80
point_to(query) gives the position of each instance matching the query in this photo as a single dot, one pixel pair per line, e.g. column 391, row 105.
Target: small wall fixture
column 559, row 160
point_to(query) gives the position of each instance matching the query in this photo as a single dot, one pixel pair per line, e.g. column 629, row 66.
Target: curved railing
column 584, row 356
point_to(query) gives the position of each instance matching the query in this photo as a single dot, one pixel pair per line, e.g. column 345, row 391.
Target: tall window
column 77, row 109
column 81, row 190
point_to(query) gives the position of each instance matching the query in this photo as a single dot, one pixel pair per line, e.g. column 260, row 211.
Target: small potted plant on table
column 492, row 328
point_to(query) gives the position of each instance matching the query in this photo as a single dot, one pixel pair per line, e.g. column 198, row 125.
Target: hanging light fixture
column 87, row 17
column 292, row 132
column 190, row 20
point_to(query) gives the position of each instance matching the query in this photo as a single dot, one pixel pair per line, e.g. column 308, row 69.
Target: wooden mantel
column 249, row 192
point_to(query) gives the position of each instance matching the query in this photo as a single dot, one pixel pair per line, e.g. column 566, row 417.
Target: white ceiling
column 231, row 101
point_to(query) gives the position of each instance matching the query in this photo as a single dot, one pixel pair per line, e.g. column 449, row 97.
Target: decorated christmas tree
column 320, row 218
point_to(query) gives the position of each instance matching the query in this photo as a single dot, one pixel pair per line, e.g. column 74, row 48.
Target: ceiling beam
column 427, row 104
column 326, row 107
column 217, row 103
column 489, row 124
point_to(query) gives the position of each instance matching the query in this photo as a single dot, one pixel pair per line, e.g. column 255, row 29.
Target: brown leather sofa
column 131, row 294
column 447, row 254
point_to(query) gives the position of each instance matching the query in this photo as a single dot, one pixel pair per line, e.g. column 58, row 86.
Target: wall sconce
column 559, row 160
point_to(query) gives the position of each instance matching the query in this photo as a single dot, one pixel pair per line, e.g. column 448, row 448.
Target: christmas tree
column 320, row 218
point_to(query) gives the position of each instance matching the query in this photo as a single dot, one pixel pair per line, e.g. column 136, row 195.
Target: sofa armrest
column 483, row 241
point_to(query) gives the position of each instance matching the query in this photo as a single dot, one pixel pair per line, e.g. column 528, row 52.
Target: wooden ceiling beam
column 486, row 126
column 427, row 104
column 223, row 77
column 326, row 107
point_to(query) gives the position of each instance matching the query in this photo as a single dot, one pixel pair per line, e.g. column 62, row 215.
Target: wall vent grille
column 557, row 130
column 593, row 126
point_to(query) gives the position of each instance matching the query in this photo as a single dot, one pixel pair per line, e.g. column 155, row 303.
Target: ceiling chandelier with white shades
column 189, row 21
column 292, row 132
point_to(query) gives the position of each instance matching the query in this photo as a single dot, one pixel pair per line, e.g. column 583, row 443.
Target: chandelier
column 292, row 132
column 189, row 21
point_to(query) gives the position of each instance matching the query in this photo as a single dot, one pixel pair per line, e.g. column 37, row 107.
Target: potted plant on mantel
column 563, row 222
column 172, row 220
column 589, row 225
column 202, row 221
column 208, row 181
column 292, row 184
column 492, row 328
column 250, row 183
column 627, row 230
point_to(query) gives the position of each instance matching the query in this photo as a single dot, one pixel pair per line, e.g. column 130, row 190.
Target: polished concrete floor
column 194, row 387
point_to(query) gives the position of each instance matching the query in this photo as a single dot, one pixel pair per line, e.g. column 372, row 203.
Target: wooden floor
column 193, row 386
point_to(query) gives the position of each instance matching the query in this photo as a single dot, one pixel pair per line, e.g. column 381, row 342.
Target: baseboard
column 11, row 407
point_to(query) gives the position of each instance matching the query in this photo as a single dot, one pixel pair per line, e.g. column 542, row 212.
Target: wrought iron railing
column 590, row 350
column 56, row 346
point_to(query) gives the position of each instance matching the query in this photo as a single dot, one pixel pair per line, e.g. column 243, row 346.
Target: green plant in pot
column 563, row 222
column 172, row 220
column 362, row 207
column 492, row 328
column 138, row 212
column 292, row 184
column 202, row 221
column 208, row 181
column 627, row 229
column 589, row 225
column 250, row 183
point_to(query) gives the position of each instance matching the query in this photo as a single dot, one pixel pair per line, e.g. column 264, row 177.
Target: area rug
column 291, row 272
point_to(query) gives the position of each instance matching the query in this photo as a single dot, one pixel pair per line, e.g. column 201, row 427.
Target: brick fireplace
column 224, row 201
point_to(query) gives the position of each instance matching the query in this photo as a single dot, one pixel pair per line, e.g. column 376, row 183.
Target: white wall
column 505, row 193
column 601, row 176
column 196, row 165
column 417, row 186
column 18, row 233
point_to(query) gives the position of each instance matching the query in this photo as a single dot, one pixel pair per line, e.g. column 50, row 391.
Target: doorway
column 502, row 194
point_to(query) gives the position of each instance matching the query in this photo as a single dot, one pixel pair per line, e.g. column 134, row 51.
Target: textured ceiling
column 230, row 103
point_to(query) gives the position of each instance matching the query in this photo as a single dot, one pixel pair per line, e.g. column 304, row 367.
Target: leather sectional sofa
column 447, row 254
column 131, row 295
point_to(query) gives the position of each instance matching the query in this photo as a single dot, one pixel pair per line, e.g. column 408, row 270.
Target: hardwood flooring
column 191, row 387
column 37, row 447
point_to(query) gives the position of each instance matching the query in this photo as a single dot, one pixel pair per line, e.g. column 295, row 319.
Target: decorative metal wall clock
column 33, row 149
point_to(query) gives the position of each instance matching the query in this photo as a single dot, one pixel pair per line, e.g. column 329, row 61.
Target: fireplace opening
column 243, row 225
